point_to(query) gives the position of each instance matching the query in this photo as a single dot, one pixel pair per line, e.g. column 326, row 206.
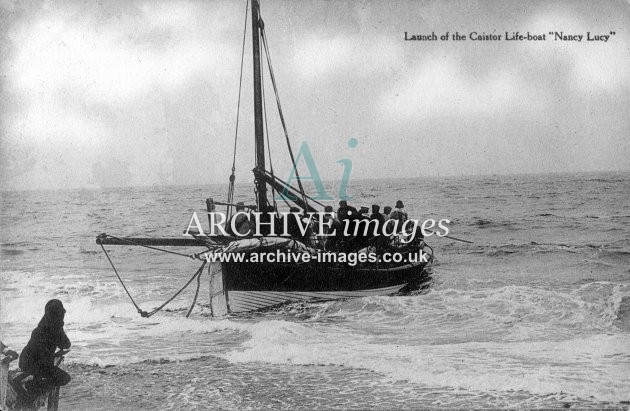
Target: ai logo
column 305, row 153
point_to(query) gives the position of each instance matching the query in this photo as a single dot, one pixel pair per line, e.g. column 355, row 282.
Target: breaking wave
column 510, row 338
column 538, row 367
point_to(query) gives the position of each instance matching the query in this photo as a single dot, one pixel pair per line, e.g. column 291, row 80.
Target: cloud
column 45, row 121
column 318, row 57
column 114, row 62
column 604, row 68
column 591, row 66
column 153, row 84
column 96, row 85
column 440, row 86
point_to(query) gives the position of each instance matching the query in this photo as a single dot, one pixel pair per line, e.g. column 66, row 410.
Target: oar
column 452, row 238
column 447, row 236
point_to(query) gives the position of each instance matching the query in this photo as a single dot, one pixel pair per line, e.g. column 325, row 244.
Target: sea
column 535, row 313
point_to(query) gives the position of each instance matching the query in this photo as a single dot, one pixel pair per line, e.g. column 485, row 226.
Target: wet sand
column 211, row 382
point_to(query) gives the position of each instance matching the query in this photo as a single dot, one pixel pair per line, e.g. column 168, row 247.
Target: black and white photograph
column 315, row 204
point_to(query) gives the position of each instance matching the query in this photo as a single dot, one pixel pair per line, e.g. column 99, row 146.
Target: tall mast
column 261, row 186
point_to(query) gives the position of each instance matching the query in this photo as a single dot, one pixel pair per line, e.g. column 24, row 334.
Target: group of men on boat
column 346, row 229
column 355, row 229
column 347, row 212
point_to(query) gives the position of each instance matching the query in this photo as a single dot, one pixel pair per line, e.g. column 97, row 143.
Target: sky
column 140, row 93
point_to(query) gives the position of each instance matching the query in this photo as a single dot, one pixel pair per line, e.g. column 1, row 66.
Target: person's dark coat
column 37, row 358
column 346, row 212
column 293, row 224
column 380, row 218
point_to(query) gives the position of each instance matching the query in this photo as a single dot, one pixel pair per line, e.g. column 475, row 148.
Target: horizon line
column 431, row 177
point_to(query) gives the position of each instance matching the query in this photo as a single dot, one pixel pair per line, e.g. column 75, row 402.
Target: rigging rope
column 288, row 185
column 273, row 189
column 284, row 126
column 238, row 112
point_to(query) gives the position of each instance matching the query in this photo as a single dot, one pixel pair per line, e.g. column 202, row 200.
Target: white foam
column 505, row 338
column 594, row 366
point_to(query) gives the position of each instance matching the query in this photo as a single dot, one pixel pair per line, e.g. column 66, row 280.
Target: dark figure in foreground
column 38, row 356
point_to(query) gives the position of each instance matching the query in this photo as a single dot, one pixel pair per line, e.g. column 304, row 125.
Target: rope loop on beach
column 195, row 275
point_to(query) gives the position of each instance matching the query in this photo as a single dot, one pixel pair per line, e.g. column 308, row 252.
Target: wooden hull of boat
column 251, row 287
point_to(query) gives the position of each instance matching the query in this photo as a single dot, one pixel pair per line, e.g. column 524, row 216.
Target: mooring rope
column 197, row 273
column 196, row 295
column 145, row 314
column 140, row 311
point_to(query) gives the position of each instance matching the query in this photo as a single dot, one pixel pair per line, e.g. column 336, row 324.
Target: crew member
column 293, row 225
column 399, row 213
column 346, row 212
column 241, row 221
column 380, row 240
column 364, row 213
column 331, row 242
column 387, row 210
